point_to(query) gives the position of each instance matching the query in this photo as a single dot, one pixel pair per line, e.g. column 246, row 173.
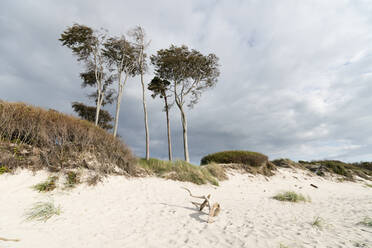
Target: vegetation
column 366, row 222
column 367, row 185
column 290, row 196
column 94, row 179
column 183, row 171
column 88, row 113
column 4, row 169
column 318, row 222
column 42, row 211
column 348, row 170
column 72, row 178
column 190, row 73
column 235, row 157
column 160, row 88
column 48, row 139
column 48, row 185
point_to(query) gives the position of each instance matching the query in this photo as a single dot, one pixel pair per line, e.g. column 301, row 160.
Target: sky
column 295, row 82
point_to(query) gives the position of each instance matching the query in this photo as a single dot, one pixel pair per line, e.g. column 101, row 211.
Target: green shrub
column 178, row 170
column 290, row 196
column 72, row 178
column 42, row 211
column 366, row 222
column 236, row 157
column 46, row 186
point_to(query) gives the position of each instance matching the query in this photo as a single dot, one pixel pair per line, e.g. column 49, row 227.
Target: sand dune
column 152, row 212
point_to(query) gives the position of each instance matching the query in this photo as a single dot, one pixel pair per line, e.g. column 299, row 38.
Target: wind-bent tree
column 160, row 88
column 122, row 55
column 190, row 73
column 87, row 45
column 88, row 113
column 140, row 44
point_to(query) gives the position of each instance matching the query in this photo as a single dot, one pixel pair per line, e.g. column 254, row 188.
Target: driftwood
column 4, row 239
column 213, row 211
column 313, row 185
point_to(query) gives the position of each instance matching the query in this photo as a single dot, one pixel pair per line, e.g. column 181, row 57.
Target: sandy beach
column 154, row 212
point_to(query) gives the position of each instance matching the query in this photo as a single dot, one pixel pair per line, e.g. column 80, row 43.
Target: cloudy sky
column 296, row 76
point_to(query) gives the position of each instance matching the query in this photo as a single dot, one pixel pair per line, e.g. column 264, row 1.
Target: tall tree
column 190, row 73
column 87, row 45
column 121, row 55
column 140, row 43
column 160, row 88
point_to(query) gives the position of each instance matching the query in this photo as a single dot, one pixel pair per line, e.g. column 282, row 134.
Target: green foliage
column 366, row 222
column 236, row 157
column 60, row 141
column 42, row 211
column 217, row 171
column 89, row 113
column 46, row 186
column 72, row 178
column 178, row 170
column 290, row 196
column 4, row 169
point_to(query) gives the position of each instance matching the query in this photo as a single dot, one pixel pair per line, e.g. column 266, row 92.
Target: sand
column 153, row 212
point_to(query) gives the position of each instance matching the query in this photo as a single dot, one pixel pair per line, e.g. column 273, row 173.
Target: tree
column 122, row 55
column 88, row 113
column 140, row 44
column 190, row 73
column 87, row 45
column 160, row 88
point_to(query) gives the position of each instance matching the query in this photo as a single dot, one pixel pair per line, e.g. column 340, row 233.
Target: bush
column 4, row 169
column 72, row 178
column 236, row 157
column 290, row 196
column 46, row 186
column 60, row 141
column 179, row 170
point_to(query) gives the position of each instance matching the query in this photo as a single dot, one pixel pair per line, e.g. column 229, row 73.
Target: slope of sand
column 152, row 212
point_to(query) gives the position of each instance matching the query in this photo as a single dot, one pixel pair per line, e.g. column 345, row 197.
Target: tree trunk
column 168, row 129
column 98, row 106
column 146, row 123
column 118, row 101
column 184, row 129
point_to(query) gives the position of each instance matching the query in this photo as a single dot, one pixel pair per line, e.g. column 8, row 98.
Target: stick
column 313, row 185
column 4, row 239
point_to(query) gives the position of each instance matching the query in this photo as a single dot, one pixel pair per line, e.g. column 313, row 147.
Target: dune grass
column 48, row 185
column 4, row 169
column 290, row 196
column 318, row 222
column 182, row 171
column 366, row 222
column 368, row 185
column 42, row 211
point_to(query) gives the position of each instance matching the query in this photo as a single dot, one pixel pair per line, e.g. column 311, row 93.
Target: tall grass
column 48, row 185
column 183, row 171
column 60, row 141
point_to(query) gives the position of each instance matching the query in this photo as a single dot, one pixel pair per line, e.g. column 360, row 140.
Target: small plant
column 4, row 169
column 367, row 185
column 72, row 178
column 283, row 246
column 318, row 223
column 366, row 222
column 42, row 211
column 290, row 196
column 46, row 186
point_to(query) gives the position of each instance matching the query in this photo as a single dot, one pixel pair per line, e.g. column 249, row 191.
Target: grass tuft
column 366, row 222
column 42, row 211
column 318, row 222
column 46, row 186
column 181, row 171
column 368, row 185
column 94, row 180
column 72, row 178
column 4, row 169
column 290, row 196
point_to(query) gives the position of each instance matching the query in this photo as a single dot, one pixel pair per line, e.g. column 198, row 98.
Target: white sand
column 152, row 212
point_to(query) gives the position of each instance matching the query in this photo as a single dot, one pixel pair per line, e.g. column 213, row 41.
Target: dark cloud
column 295, row 76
